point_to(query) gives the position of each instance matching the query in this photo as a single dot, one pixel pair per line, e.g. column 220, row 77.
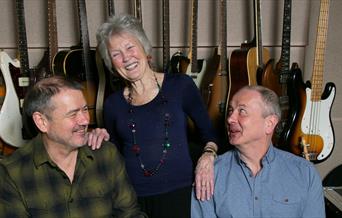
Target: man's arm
column 314, row 205
column 11, row 203
column 124, row 197
column 202, row 208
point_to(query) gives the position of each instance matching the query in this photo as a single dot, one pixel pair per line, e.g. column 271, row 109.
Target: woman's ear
column 40, row 120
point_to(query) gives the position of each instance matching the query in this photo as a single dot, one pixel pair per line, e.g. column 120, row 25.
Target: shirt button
column 71, row 200
column 286, row 200
column 256, row 198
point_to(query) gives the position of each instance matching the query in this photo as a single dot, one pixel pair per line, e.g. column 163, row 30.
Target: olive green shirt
column 32, row 185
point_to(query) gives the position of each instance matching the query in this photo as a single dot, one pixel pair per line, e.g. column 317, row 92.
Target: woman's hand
column 96, row 136
column 204, row 178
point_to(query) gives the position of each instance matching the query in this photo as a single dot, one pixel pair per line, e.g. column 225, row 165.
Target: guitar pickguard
column 10, row 117
column 316, row 122
column 197, row 76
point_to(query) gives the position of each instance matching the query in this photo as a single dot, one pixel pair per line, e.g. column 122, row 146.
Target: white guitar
column 10, row 117
column 313, row 128
column 196, row 68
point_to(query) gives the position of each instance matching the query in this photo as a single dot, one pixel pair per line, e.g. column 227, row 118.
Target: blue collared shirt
column 286, row 186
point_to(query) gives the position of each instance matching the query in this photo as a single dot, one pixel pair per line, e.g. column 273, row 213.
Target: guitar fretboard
column 82, row 12
column 193, row 49
column 22, row 39
column 223, row 57
column 321, row 38
column 52, row 28
column 286, row 43
column 166, row 33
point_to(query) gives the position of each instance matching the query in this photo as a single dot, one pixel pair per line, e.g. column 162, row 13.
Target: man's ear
column 270, row 123
column 40, row 120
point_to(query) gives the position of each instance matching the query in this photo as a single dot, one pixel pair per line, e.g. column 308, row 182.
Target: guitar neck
column 166, row 33
column 223, row 57
column 110, row 7
column 193, row 37
column 82, row 12
column 257, row 14
column 321, row 38
column 52, row 28
column 137, row 10
column 286, row 43
column 22, row 39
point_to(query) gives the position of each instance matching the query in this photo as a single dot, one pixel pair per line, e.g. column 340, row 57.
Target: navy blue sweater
column 178, row 97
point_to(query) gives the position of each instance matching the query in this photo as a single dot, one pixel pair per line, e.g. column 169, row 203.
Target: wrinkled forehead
column 246, row 97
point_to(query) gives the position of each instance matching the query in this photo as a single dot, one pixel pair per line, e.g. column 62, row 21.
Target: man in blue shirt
column 256, row 179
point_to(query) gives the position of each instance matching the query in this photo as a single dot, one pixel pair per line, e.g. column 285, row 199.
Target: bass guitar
column 313, row 127
column 79, row 64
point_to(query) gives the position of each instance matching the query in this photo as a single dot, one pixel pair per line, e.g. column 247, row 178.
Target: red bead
column 136, row 149
column 147, row 173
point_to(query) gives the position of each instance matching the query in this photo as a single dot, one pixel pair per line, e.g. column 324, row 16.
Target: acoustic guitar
column 79, row 64
column 240, row 63
column 258, row 57
column 108, row 83
column 313, row 128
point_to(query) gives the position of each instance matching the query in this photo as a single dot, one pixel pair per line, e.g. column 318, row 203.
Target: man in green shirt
column 55, row 174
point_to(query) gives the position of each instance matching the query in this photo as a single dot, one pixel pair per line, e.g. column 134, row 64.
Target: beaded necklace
column 135, row 148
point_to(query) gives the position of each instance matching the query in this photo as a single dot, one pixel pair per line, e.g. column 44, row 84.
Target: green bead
column 167, row 145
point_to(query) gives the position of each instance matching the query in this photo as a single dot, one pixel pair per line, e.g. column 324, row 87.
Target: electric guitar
column 22, row 77
column 137, row 10
column 10, row 116
column 190, row 65
column 313, row 127
column 17, row 77
column 218, row 87
column 166, row 36
column 79, row 64
column 277, row 79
